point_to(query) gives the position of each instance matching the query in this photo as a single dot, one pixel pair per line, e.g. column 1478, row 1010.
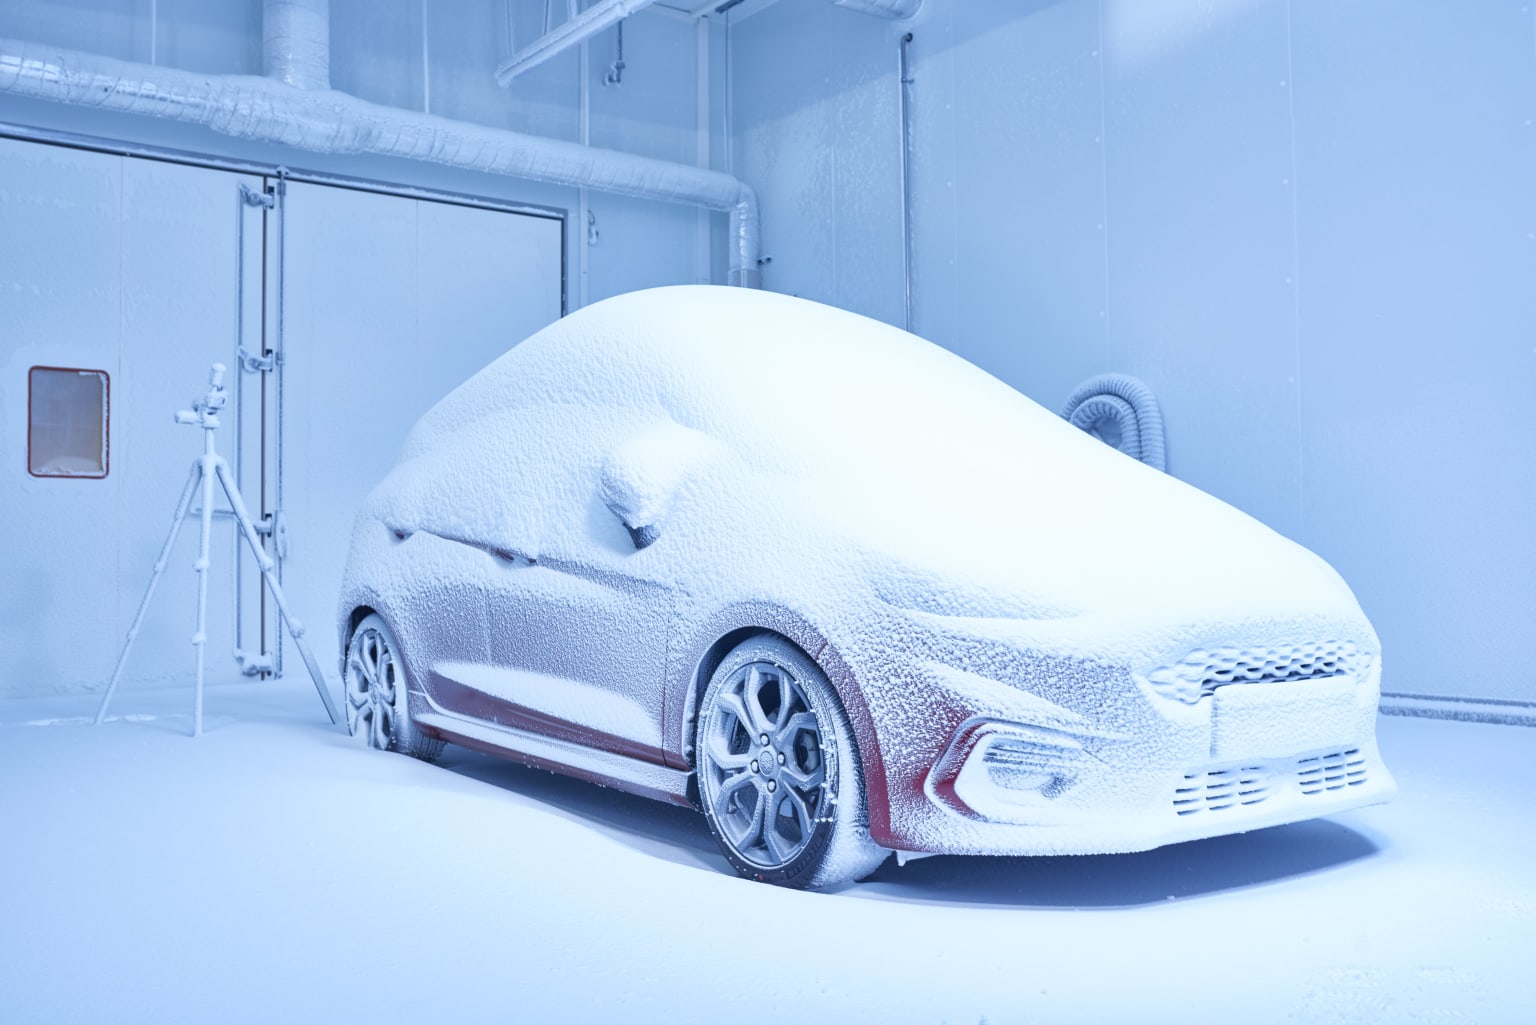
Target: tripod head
column 205, row 411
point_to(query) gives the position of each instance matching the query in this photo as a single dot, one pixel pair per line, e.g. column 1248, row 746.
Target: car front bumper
column 1074, row 756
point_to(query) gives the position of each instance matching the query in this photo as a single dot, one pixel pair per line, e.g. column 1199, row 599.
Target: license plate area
column 1272, row 720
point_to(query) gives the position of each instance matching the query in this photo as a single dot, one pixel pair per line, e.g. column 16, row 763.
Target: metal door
column 129, row 266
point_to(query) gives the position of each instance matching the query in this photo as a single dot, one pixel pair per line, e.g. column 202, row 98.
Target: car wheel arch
column 348, row 625
column 757, row 622
column 355, row 619
column 360, row 613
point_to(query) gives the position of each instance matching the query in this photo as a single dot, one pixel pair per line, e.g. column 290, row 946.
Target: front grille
column 1333, row 771
column 1220, row 789
column 1200, row 672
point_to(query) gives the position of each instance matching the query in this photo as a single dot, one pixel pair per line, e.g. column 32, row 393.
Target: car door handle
column 510, row 556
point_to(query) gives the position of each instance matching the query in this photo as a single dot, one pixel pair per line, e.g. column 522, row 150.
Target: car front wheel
column 778, row 769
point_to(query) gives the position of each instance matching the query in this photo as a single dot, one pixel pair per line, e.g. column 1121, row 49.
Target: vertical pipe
column 904, row 74
column 730, row 102
column 296, row 42
column 262, row 405
column 426, row 62
column 295, row 628
column 239, row 365
column 584, row 210
column 279, row 363
column 701, row 43
column 154, row 29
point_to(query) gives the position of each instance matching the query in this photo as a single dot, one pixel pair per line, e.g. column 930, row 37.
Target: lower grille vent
column 1333, row 771
column 1228, row 787
column 1220, row 789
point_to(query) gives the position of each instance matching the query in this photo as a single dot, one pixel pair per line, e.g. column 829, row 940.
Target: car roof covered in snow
column 756, row 369
column 890, row 440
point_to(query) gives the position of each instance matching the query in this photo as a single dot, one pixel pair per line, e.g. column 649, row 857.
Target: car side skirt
column 606, row 768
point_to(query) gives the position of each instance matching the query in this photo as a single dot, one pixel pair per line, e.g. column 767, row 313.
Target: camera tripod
column 206, row 469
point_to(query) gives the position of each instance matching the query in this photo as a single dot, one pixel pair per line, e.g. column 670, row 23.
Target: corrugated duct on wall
column 1121, row 411
column 295, row 106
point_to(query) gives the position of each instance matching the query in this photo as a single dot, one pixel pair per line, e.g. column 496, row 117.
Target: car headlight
column 1021, row 764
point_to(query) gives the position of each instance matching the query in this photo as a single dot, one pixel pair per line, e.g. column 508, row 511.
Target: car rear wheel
column 378, row 705
column 779, row 773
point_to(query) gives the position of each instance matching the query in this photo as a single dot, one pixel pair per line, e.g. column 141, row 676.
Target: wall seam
column 954, row 198
column 1103, row 186
column 119, row 621
column 703, row 259
column 421, row 347
column 1295, row 198
column 836, row 199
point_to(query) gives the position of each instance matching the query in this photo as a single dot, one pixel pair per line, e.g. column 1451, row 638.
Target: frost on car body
column 1039, row 645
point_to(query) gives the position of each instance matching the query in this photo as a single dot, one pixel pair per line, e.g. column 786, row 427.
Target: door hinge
column 255, row 198
column 251, row 363
column 280, row 534
column 254, row 665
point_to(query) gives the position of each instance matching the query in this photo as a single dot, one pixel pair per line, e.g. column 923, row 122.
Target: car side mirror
column 641, row 476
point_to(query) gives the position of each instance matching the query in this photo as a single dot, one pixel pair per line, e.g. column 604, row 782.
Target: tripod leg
column 182, row 505
column 200, row 638
column 268, row 567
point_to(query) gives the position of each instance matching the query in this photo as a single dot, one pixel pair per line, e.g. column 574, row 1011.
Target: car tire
column 778, row 770
column 378, row 698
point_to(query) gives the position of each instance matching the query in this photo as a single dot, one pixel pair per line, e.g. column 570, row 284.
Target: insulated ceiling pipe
column 327, row 121
column 296, row 42
column 572, row 32
column 578, row 29
column 896, row 10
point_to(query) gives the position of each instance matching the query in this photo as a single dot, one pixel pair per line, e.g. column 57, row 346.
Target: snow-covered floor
column 271, row 871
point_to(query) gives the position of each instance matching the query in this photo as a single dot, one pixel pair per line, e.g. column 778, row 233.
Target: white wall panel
column 59, row 306
column 1416, row 156
column 376, row 51
column 816, row 133
column 116, row 28
column 1007, row 174
column 1016, row 174
column 1201, row 256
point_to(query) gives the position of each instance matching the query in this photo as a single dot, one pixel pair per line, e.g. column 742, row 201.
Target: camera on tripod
column 205, row 411
column 210, row 471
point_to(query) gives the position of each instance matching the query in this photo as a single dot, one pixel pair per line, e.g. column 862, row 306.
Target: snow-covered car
column 847, row 594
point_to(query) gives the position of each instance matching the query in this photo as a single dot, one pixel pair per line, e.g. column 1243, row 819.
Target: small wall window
column 67, row 423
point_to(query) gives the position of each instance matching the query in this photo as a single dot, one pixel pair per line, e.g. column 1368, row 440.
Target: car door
column 577, row 620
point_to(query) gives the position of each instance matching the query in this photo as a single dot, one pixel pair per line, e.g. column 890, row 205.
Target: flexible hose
column 1118, row 404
